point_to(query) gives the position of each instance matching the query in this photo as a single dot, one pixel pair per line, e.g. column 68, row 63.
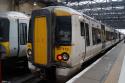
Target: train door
column 87, row 39
column 103, row 36
column 82, row 25
column 42, row 36
column 40, row 40
column 22, row 36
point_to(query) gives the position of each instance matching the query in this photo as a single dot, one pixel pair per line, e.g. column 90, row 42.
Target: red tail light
column 59, row 57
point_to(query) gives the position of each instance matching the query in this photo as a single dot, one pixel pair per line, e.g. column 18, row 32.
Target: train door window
column 103, row 33
column 63, row 30
column 107, row 35
column 87, row 34
column 23, row 33
column 4, row 29
column 93, row 35
column 82, row 29
column 110, row 36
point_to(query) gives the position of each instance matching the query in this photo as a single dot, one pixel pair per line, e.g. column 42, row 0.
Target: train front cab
column 48, row 45
column 13, row 44
column 13, row 38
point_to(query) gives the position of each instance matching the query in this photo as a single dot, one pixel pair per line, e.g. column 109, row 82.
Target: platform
column 108, row 69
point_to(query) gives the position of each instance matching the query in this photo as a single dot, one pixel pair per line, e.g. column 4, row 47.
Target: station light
column 34, row 3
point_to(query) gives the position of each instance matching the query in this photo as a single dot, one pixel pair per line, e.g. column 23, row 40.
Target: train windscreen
column 4, row 29
column 63, row 30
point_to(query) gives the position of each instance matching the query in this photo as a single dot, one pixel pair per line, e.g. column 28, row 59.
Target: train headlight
column 29, row 52
column 65, row 56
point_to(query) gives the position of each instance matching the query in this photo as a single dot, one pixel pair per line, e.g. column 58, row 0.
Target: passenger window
column 82, row 29
column 115, row 35
column 109, row 36
column 87, row 34
column 112, row 35
column 96, row 34
column 23, row 33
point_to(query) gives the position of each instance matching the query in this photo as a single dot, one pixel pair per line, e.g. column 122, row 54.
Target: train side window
column 23, row 33
column 108, row 36
column 112, row 37
column 82, row 29
column 96, row 35
column 87, row 34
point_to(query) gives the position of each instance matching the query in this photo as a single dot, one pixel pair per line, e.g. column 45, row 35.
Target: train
column 13, row 34
column 61, row 39
column 14, row 28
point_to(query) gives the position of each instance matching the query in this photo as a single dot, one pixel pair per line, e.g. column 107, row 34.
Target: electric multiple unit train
column 62, row 38
column 13, row 34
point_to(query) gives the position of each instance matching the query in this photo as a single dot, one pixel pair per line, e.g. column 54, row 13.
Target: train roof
column 63, row 8
column 70, row 11
column 13, row 14
column 74, row 12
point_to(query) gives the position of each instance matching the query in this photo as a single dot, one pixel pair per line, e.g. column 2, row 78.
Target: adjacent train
column 13, row 34
column 61, row 39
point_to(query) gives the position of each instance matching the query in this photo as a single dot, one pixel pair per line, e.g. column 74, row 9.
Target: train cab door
column 22, row 36
column 42, row 37
column 103, row 36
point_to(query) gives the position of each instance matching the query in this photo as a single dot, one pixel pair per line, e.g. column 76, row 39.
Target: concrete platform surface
column 105, row 70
